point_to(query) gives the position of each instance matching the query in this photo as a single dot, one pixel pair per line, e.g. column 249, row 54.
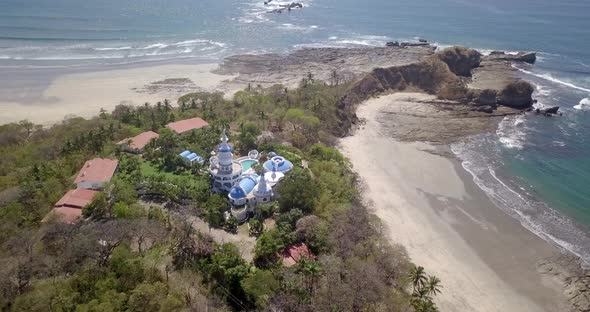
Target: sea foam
column 549, row 77
column 584, row 104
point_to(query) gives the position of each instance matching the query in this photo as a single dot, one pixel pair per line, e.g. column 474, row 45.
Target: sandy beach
column 429, row 204
column 85, row 93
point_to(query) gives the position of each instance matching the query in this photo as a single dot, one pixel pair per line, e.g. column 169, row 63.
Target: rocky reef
column 460, row 60
column 447, row 74
column 575, row 279
column 460, row 76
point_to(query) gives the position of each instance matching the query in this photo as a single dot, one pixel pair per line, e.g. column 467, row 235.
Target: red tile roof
column 77, row 198
column 141, row 140
column 187, row 125
column 98, row 169
column 64, row 214
column 294, row 253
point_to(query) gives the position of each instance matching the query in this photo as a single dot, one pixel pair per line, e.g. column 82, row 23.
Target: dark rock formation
column 549, row 111
column 575, row 279
column 414, row 44
column 460, row 60
column 392, row 44
column 487, row 97
column 485, row 109
column 430, row 76
column 517, row 94
column 530, row 57
column 527, row 57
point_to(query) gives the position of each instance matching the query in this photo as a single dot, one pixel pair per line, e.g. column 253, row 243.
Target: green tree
column 214, row 208
column 312, row 271
column 147, row 297
column 123, row 191
column 298, row 190
column 433, row 286
column 247, row 138
column 260, row 286
column 123, row 211
column 130, row 167
column 267, row 247
column 255, row 227
column 418, row 277
column 231, row 225
column 227, row 269
column 98, row 208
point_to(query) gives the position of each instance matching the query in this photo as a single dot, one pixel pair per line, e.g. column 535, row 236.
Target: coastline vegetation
column 135, row 250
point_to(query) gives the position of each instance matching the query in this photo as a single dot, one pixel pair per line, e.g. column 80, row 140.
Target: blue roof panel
column 248, row 183
column 278, row 164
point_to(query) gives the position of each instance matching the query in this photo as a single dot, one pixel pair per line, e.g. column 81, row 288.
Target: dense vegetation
column 135, row 250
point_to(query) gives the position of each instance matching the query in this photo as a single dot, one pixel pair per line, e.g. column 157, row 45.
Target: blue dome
column 224, row 148
column 244, row 187
column 278, row 164
column 237, row 192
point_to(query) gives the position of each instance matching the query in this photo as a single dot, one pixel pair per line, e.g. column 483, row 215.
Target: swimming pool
column 247, row 164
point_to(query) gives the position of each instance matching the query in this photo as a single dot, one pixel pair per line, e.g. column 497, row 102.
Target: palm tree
column 311, row 269
column 334, row 77
column 433, row 286
column 418, row 277
column 256, row 227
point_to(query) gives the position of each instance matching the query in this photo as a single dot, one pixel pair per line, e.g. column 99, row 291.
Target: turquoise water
column 247, row 164
column 536, row 169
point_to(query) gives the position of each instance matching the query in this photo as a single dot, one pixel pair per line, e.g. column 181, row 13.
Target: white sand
column 401, row 180
column 84, row 94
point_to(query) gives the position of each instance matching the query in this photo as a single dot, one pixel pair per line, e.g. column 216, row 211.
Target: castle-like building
column 246, row 188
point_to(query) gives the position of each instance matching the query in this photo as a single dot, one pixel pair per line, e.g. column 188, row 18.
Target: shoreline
column 475, row 235
column 430, row 204
column 45, row 96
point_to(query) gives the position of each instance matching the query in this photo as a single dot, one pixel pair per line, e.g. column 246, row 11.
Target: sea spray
column 583, row 105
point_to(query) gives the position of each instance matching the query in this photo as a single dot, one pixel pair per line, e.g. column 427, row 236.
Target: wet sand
column 47, row 99
column 487, row 261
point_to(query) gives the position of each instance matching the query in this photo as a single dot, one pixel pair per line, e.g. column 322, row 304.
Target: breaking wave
column 481, row 157
column 583, row 105
column 111, row 51
column 549, row 77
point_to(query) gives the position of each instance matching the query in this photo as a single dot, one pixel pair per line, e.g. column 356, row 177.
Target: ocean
column 536, row 169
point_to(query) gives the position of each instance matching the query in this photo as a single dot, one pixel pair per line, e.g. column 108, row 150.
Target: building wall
column 91, row 185
column 128, row 149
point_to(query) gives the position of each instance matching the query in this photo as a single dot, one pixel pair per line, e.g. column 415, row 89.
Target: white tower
column 225, row 156
column 263, row 191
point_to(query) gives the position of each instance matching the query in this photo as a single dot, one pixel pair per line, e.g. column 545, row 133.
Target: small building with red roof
column 292, row 254
column 69, row 208
column 137, row 143
column 96, row 173
column 187, row 125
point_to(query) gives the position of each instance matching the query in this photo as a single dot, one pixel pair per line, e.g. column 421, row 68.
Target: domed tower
column 263, row 191
column 225, row 156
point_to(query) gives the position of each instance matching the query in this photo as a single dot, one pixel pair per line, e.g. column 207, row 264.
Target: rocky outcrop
column 518, row 95
column 430, row 76
column 526, row 57
column 461, row 61
column 486, row 97
column 576, row 280
column 549, row 111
